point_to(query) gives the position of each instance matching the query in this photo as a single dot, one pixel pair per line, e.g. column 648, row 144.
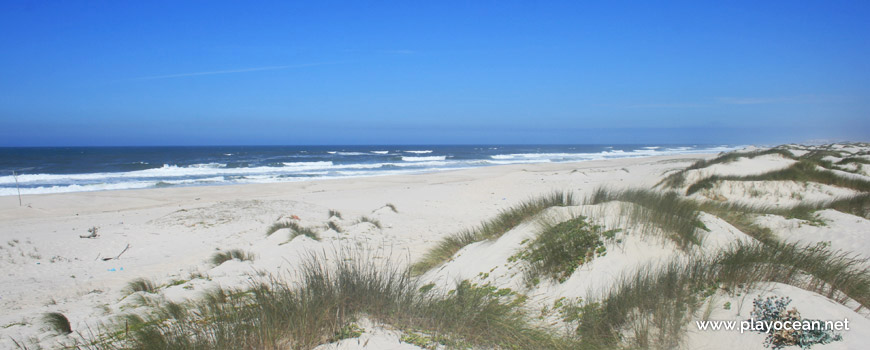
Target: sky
column 131, row 73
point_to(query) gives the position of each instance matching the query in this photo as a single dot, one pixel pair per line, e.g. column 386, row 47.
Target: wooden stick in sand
column 16, row 187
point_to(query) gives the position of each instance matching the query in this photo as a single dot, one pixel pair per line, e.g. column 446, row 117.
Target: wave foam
column 423, row 159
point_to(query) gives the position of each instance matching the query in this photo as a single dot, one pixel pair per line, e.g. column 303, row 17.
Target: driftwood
column 119, row 255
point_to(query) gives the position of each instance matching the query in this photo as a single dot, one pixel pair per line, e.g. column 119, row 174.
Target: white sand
column 173, row 231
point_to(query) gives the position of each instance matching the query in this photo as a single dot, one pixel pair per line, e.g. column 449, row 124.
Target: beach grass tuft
column 491, row 229
column 238, row 254
column 334, row 226
column 57, row 322
column 141, row 285
column 392, row 207
column 372, row 221
column 295, row 229
column 334, row 213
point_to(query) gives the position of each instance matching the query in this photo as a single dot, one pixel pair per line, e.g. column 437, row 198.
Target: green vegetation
column 678, row 179
column 323, row 307
column 674, row 216
column 57, row 322
column 392, row 207
column 335, row 213
column 858, row 205
column 334, row 226
column 295, row 230
column 350, row 330
column 654, row 304
column 678, row 215
column 857, row 160
column 802, row 171
column 221, row 257
column 560, row 248
column 491, row 229
column 141, row 285
column 372, row 221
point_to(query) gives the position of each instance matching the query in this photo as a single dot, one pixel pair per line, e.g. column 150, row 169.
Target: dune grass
column 335, row 213
column 392, row 207
column 490, row 229
column 653, row 305
column 372, row 221
column 238, row 254
column 141, row 285
column 334, row 226
column 857, row 160
column 678, row 215
column 858, row 205
column 802, row 171
column 678, row 179
column 276, row 314
column 295, row 230
column 674, row 216
column 57, row 322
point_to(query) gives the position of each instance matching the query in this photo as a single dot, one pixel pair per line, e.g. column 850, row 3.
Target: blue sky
column 323, row 72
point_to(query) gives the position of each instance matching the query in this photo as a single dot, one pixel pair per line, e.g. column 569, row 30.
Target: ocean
column 75, row 169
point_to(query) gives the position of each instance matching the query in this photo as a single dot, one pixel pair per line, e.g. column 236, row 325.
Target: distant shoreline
column 96, row 169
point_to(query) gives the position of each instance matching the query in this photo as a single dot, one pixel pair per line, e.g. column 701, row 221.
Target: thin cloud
column 230, row 71
column 720, row 101
column 754, row 100
column 668, row 105
column 801, row 99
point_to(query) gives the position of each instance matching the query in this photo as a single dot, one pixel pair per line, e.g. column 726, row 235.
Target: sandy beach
column 168, row 235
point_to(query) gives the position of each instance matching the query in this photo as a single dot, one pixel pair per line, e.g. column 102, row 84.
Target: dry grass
column 674, row 216
column 237, row 254
column 57, row 322
column 329, row 297
column 491, row 229
column 802, row 171
column 295, row 230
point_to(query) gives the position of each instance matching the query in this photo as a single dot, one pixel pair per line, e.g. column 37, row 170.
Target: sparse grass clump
column 372, row 221
column 57, row 322
column 334, row 226
column 141, row 285
column 491, row 229
column 675, row 216
column 334, row 213
column 392, row 207
column 238, row 254
column 560, row 248
column 295, row 229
